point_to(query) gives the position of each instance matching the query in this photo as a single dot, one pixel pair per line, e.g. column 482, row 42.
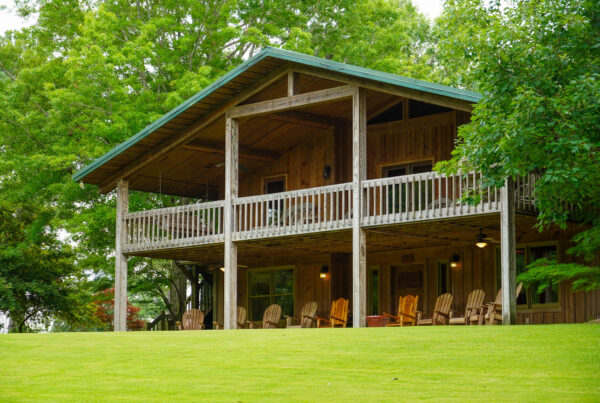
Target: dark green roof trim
column 290, row 56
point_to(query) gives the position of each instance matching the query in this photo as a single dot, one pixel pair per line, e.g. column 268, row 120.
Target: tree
column 104, row 301
column 88, row 75
column 38, row 281
column 537, row 64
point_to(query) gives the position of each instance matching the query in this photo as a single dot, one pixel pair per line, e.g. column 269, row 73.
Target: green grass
column 492, row 363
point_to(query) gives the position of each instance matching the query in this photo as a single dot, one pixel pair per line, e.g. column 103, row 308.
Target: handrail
column 293, row 212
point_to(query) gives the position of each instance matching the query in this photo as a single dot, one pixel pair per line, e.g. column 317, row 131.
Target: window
column 443, row 277
column 274, row 184
column 373, row 287
column 271, row 286
column 418, row 109
column 394, row 205
column 529, row 297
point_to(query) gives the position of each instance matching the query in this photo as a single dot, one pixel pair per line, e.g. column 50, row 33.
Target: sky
column 10, row 21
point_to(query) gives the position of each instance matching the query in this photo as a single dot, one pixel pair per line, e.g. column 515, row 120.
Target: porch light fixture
column 481, row 239
column 326, row 172
column 454, row 261
column 324, row 271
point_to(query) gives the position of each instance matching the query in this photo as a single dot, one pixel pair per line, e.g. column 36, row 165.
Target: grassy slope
column 524, row 363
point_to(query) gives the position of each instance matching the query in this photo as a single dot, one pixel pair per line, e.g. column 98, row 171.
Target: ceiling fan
column 482, row 239
column 220, row 267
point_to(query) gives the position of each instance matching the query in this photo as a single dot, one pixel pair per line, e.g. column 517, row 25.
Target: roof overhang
column 226, row 92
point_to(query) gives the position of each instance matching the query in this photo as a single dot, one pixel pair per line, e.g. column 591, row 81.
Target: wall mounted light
column 324, row 271
column 454, row 260
column 481, row 239
column 326, row 172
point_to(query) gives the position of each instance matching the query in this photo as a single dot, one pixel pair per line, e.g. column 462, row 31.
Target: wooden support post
column 359, row 173
column 508, row 252
column 231, row 186
column 292, row 83
column 120, row 309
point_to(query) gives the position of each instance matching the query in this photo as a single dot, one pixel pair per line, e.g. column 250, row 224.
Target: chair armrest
column 445, row 315
column 290, row 317
column 179, row 326
column 271, row 323
column 341, row 320
column 403, row 314
column 422, row 315
column 455, row 314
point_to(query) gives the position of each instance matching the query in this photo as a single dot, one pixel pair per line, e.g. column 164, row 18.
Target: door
column 408, row 279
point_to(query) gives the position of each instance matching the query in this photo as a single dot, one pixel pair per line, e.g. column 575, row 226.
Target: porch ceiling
column 454, row 232
column 163, row 148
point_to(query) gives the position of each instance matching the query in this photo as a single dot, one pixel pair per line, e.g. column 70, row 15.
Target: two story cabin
column 310, row 180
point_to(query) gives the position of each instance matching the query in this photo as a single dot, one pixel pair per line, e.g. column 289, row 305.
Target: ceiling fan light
column 481, row 242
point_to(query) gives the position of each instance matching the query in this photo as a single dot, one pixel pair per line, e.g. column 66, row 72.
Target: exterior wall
column 419, row 139
column 477, row 269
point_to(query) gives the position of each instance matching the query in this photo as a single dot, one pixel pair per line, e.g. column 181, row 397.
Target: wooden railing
column 425, row 196
column 386, row 201
column 524, row 200
column 295, row 212
column 170, row 227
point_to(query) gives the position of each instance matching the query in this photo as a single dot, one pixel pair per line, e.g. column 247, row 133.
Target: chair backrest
column 192, row 319
column 498, row 301
column 307, row 316
column 271, row 316
column 442, row 306
column 339, row 310
column 408, row 306
column 474, row 301
column 241, row 316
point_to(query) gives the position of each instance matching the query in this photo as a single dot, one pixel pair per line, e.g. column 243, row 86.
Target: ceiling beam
column 167, row 146
column 303, row 119
column 423, row 96
column 295, row 101
column 219, row 148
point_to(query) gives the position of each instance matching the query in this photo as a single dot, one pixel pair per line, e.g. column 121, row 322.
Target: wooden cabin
column 311, row 180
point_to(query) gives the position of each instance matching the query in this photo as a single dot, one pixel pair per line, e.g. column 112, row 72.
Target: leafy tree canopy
column 90, row 74
column 537, row 64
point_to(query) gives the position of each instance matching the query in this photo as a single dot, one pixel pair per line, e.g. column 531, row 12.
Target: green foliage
column 543, row 273
column 537, row 64
column 38, row 280
column 88, row 75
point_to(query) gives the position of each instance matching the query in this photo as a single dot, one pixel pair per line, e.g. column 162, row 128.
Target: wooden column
column 120, row 310
column 231, row 190
column 508, row 252
column 359, row 174
column 292, row 82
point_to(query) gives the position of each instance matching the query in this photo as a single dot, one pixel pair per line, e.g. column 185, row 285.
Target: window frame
column 271, row 294
column 530, row 307
column 438, row 283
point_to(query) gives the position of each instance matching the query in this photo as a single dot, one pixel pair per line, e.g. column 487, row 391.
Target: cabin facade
column 309, row 180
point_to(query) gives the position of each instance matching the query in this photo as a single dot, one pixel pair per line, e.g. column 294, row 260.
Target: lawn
column 519, row 363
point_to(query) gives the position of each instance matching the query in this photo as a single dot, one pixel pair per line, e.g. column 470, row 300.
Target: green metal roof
column 293, row 57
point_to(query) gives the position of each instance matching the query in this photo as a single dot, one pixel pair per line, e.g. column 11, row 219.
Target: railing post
column 120, row 308
column 508, row 252
column 359, row 173
column 230, row 253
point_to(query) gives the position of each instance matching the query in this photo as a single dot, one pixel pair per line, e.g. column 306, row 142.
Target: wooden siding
column 477, row 269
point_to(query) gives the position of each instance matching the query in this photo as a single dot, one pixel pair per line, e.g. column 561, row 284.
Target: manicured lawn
column 521, row 363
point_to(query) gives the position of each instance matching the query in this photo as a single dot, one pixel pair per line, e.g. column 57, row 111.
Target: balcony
column 386, row 201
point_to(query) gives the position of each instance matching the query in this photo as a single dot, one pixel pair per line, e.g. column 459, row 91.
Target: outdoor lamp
column 324, row 271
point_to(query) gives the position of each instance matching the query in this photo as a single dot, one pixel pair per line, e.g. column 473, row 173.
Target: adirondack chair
column 338, row 316
column 270, row 318
column 474, row 301
column 192, row 319
column 241, row 319
column 492, row 312
column 441, row 312
column 407, row 312
column 307, row 316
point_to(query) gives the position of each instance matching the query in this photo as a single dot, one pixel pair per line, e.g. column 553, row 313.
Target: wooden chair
column 241, row 319
column 407, row 312
column 441, row 312
column 270, row 318
column 492, row 312
column 192, row 319
column 338, row 316
column 474, row 302
column 307, row 316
